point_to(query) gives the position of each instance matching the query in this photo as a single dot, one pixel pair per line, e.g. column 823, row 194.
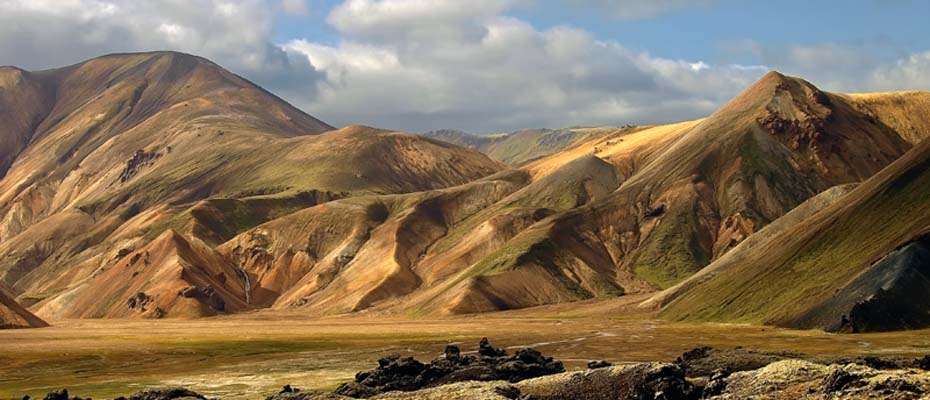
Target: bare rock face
column 207, row 295
column 892, row 295
column 139, row 160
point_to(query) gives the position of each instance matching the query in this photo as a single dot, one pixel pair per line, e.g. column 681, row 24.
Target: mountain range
column 159, row 185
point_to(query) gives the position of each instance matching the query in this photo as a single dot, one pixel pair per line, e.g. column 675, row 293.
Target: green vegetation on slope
column 821, row 256
column 672, row 252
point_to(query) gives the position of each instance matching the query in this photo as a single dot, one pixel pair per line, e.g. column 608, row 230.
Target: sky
column 496, row 65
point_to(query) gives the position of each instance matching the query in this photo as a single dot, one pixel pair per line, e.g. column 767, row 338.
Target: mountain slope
column 904, row 111
column 634, row 210
column 521, row 147
column 107, row 155
column 858, row 265
column 159, row 185
column 12, row 315
column 686, row 198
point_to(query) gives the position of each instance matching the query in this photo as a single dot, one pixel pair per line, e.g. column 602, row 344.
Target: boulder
column 395, row 373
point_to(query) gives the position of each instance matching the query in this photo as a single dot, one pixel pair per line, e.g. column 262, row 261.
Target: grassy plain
column 252, row 356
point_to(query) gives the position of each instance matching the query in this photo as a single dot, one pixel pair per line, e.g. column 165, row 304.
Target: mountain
column 635, row 210
column 687, row 194
column 13, row 315
column 167, row 155
column 521, row 147
column 858, row 263
column 159, row 185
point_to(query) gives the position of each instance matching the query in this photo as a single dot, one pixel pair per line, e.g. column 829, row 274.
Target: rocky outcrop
column 207, row 296
column 157, row 394
column 165, row 394
column 702, row 373
column 395, row 373
column 799, row 379
column 140, row 159
column 658, row 381
column 892, row 295
column 14, row 315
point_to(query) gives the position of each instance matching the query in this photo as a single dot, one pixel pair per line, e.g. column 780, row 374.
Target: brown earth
column 633, row 211
column 13, row 315
column 858, row 262
column 166, row 155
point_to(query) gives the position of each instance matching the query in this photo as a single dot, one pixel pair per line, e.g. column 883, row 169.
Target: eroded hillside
column 858, row 263
column 635, row 210
column 159, row 185
column 155, row 158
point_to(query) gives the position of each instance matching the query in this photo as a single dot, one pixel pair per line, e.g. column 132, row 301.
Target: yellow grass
column 252, row 356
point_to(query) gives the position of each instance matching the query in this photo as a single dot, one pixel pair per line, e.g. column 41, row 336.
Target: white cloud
column 912, row 72
column 636, row 9
column 426, row 64
column 236, row 34
column 295, row 7
column 416, row 64
column 843, row 68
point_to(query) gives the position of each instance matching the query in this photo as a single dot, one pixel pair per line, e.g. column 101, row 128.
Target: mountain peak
column 774, row 90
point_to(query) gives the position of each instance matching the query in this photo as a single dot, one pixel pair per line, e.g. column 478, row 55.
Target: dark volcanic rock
column 895, row 385
column 60, row 395
column 598, row 364
column 395, row 373
column 485, row 349
column 292, row 393
column 716, row 384
column 160, row 394
column 838, row 380
column 923, row 363
column 510, row 392
column 879, row 363
column 166, row 394
column 705, row 361
column 207, row 296
column 892, row 295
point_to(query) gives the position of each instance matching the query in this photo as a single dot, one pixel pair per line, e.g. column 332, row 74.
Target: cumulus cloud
column 419, row 64
column 842, row 68
column 426, row 64
column 636, row 9
column 50, row 33
column 295, row 7
column 910, row 73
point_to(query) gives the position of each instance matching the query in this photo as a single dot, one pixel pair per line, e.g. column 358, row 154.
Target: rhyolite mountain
column 636, row 210
column 856, row 261
column 159, row 185
column 148, row 160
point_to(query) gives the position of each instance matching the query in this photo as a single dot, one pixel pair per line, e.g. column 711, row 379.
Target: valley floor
column 254, row 355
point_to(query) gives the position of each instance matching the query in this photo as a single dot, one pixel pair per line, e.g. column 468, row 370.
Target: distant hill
column 520, row 147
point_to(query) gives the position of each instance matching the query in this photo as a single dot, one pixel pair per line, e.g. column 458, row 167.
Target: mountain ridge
column 157, row 187
column 130, row 146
